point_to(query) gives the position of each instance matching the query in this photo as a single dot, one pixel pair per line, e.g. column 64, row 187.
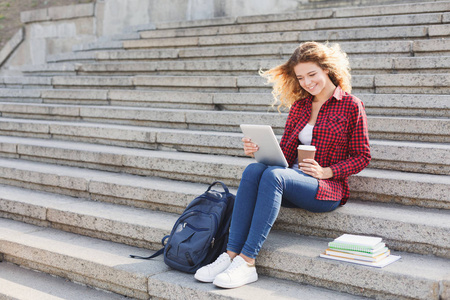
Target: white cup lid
column 307, row 147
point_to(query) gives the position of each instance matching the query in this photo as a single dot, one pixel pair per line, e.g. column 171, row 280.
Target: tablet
column 269, row 151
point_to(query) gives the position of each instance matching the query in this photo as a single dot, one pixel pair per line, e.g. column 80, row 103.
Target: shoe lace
column 220, row 259
column 234, row 265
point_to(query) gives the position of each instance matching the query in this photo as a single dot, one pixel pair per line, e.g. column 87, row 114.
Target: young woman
column 315, row 85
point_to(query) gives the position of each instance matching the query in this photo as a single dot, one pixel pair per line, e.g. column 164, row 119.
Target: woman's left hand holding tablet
column 249, row 147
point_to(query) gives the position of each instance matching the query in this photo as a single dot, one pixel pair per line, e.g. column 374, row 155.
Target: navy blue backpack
column 200, row 234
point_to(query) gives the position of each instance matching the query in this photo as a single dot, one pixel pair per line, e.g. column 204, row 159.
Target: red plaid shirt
column 340, row 136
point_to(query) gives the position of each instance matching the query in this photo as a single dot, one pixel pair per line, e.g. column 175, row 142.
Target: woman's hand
column 312, row 168
column 249, row 147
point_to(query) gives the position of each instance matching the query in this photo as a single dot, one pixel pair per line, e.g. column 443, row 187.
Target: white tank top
column 305, row 137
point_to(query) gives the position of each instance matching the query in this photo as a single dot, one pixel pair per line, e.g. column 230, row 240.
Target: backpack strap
column 225, row 228
column 157, row 253
column 223, row 185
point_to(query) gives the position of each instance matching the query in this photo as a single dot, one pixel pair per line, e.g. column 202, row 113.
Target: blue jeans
column 261, row 193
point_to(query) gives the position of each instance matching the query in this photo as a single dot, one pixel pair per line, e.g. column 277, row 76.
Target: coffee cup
column 305, row 151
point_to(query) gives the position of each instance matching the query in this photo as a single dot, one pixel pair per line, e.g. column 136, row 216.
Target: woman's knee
column 274, row 172
column 254, row 170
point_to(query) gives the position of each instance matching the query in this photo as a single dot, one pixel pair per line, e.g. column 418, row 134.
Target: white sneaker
column 209, row 272
column 238, row 273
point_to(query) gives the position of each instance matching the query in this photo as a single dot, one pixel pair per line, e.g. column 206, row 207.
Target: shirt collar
column 337, row 94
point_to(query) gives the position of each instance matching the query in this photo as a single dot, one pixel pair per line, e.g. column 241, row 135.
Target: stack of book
column 363, row 250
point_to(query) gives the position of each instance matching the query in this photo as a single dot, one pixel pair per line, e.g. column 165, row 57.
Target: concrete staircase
column 103, row 147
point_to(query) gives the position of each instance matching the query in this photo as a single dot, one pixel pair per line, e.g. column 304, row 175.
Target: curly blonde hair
column 286, row 88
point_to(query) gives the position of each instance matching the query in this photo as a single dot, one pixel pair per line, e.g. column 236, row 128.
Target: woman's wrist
column 327, row 173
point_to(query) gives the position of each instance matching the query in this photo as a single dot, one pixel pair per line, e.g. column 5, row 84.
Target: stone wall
column 122, row 13
column 50, row 31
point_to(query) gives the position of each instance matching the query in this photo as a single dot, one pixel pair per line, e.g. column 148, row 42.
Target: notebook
column 360, row 243
column 368, row 253
column 360, row 240
column 358, row 256
column 380, row 264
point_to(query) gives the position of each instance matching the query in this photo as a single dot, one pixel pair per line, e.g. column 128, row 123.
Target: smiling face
column 314, row 79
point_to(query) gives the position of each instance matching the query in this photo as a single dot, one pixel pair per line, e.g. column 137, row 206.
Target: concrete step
column 276, row 34
column 359, row 66
column 409, row 129
column 353, row 49
column 54, row 69
column 348, row 12
column 376, row 104
column 144, row 228
column 28, row 82
column 167, row 164
column 26, row 284
column 411, row 83
column 82, row 96
column 371, row 184
column 275, row 51
column 338, row 35
column 430, row 47
column 177, row 286
column 327, row 15
column 70, row 56
column 85, row 260
column 106, row 134
column 380, row 127
column 379, row 84
column 156, row 99
column 127, row 34
column 346, row 3
column 421, row 48
column 299, row 25
column 126, row 225
column 98, row 45
column 418, row 105
column 21, row 95
column 402, row 65
column 106, row 265
column 99, row 82
column 415, row 157
column 154, row 193
column 176, row 283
